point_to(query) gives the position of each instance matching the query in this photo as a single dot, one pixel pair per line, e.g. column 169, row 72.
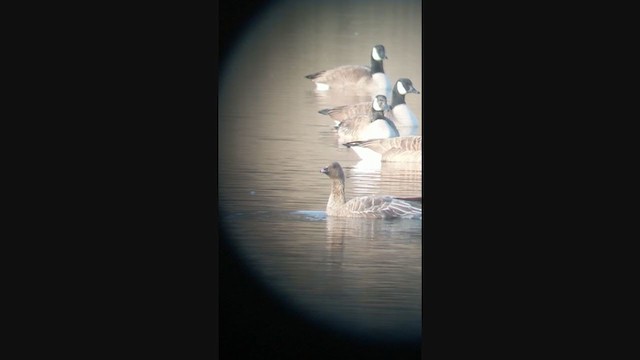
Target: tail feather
column 353, row 143
column 314, row 75
column 414, row 199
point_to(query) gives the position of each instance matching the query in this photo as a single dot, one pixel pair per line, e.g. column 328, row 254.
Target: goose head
column 378, row 53
column 333, row 171
column 380, row 103
column 404, row 86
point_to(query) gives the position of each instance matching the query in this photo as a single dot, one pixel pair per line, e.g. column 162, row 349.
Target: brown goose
column 383, row 207
column 396, row 149
column 355, row 76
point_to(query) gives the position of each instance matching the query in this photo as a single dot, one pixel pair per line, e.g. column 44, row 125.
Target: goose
column 346, row 112
column 365, row 127
column 402, row 116
column 370, row 78
column 396, row 149
column 373, row 206
column 362, row 110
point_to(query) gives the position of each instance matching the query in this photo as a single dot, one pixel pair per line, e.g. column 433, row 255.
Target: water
column 360, row 276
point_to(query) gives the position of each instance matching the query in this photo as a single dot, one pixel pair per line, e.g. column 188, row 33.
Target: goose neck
column 396, row 98
column 376, row 66
column 337, row 193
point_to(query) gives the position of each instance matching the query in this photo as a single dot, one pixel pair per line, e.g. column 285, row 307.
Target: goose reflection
column 341, row 229
column 371, row 177
column 365, row 178
column 337, row 232
column 402, row 179
column 361, row 234
column 402, row 172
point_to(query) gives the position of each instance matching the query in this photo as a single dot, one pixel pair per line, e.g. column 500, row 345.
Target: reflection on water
column 375, row 178
column 357, row 275
column 361, row 276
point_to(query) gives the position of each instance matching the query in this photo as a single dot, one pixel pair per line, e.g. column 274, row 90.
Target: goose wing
column 345, row 112
column 342, row 74
column 383, row 207
column 403, row 143
column 352, row 127
column 398, row 155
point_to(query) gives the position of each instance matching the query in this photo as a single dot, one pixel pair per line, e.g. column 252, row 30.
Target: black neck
column 396, row 98
column 377, row 115
column 376, row 66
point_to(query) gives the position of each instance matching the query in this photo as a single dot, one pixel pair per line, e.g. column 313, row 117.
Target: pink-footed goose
column 396, row 149
column 374, row 206
column 364, row 77
column 371, row 126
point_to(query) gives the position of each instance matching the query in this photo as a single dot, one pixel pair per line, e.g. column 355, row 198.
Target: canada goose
column 370, row 78
column 362, row 110
column 402, row 114
column 396, row 149
column 373, row 206
column 345, row 112
column 365, row 127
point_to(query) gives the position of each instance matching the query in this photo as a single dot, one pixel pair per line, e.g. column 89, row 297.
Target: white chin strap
column 375, row 105
column 375, row 54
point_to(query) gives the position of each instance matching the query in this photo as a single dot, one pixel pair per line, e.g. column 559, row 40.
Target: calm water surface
column 360, row 276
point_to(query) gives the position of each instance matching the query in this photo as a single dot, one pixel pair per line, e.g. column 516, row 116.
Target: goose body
column 370, row 78
column 383, row 207
column 396, row 149
column 346, row 112
column 365, row 127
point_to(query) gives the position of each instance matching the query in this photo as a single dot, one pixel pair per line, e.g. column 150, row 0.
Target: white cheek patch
column 375, row 55
column 376, row 106
column 401, row 89
column 321, row 86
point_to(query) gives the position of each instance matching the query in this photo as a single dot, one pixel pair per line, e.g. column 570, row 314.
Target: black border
column 132, row 187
